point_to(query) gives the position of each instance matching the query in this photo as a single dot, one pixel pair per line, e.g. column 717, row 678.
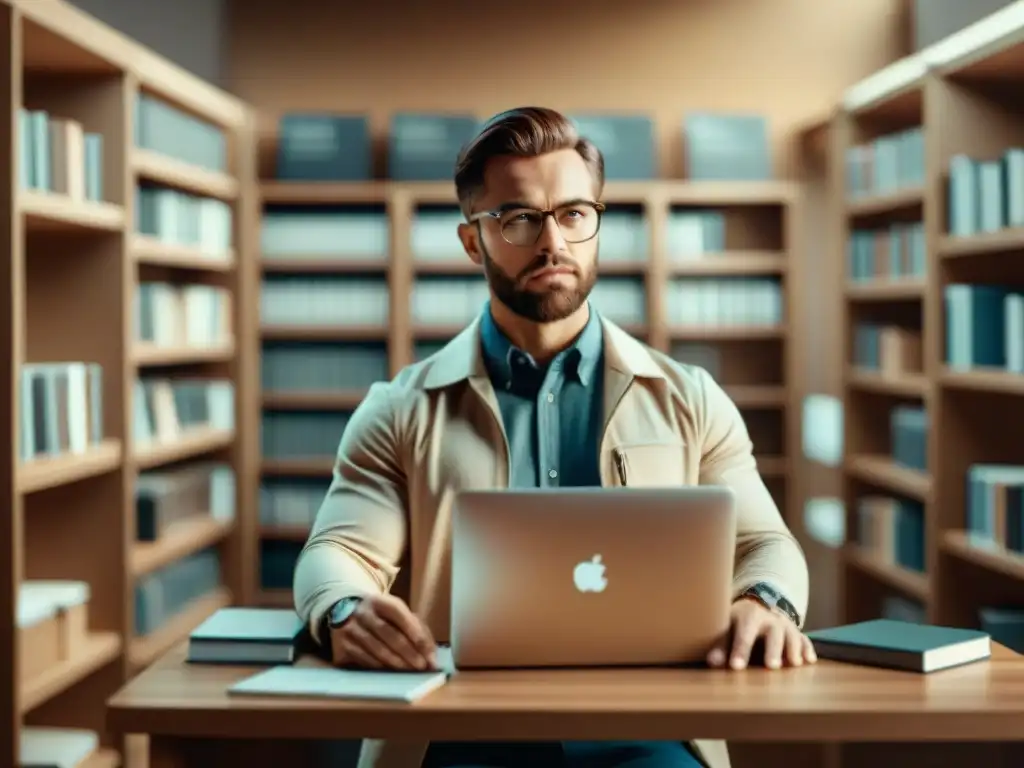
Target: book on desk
column 246, row 636
column 902, row 645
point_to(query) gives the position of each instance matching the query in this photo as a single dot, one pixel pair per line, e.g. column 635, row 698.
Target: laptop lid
column 590, row 576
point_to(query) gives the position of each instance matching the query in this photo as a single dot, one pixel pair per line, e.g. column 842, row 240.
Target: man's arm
column 766, row 551
column 360, row 530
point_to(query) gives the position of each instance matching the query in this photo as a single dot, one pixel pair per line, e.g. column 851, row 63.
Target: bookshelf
column 412, row 289
column 92, row 118
column 946, row 338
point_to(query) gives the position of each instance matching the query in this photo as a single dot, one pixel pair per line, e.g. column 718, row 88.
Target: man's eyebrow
column 516, row 205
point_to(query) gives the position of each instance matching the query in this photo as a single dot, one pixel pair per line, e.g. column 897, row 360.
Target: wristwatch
column 337, row 615
column 772, row 599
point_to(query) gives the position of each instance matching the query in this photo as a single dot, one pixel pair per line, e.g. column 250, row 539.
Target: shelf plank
column 184, row 176
column 880, row 205
column 953, row 247
column 886, row 289
column 758, row 396
column 52, row 471
column 883, row 472
column 182, row 539
column 102, row 758
column 984, row 553
column 46, row 211
column 151, row 355
column 297, row 467
column 325, row 333
column 318, row 265
column 726, row 332
column 726, row 193
column 311, row 192
column 729, row 263
column 908, row 582
column 193, row 442
column 314, row 401
column 276, row 598
column 285, row 532
column 100, row 649
column 149, row 250
column 899, row 385
column 984, row 380
column 144, row 650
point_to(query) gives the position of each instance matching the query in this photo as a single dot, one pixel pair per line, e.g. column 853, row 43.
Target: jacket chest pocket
column 649, row 465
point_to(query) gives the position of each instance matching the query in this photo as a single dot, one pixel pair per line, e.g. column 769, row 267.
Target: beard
column 548, row 305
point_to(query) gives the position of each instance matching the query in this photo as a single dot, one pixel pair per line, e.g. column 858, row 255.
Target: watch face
column 341, row 611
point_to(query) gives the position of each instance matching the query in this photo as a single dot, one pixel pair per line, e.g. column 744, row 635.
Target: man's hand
column 382, row 633
column 752, row 621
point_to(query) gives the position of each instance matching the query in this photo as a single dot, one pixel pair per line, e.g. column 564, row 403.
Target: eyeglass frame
column 599, row 207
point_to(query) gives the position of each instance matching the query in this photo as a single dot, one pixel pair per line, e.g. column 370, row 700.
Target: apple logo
column 588, row 576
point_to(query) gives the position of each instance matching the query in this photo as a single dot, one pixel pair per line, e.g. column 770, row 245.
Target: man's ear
column 469, row 234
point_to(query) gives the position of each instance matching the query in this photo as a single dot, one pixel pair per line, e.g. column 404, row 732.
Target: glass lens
column 577, row 222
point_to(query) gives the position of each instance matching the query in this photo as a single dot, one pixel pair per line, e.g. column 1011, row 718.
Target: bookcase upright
column 408, row 297
column 70, row 292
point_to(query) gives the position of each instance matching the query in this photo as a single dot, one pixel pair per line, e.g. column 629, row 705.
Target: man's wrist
column 336, row 615
column 769, row 597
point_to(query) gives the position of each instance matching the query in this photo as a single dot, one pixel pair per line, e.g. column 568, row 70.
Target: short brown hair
column 521, row 132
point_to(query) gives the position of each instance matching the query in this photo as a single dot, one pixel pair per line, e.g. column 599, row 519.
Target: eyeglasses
column 578, row 222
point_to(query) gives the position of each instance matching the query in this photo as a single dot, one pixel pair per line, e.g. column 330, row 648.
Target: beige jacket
column 436, row 428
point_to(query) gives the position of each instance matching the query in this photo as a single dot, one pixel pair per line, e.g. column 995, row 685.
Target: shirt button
column 551, row 397
column 552, row 474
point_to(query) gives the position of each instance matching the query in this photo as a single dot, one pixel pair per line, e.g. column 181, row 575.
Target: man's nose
column 551, row 239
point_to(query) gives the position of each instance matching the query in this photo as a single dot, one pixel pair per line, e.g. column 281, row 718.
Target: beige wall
column 788, row 59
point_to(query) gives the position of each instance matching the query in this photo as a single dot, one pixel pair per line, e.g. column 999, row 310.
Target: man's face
column 546, row 279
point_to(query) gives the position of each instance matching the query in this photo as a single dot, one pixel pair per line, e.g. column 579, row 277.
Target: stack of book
column 178, row 218
column 726, row 147
column 889, row 164
column 694, row 233
column 166, row 498
column 889, row 349
column 321, row 367
column 725, row 302
column 172, row 132
column 892, row 530
column 329, row 233
column 325, row 300
column 995, row 505
column 163, row 594
column 169, row 315
column 895, row 251
column 164, row 409
column 984, row 327
column 302, row 435
column 60, row 409
column 986, row 195
column 58, row 156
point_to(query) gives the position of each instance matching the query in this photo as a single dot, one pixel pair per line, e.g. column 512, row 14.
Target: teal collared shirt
column 552, row 413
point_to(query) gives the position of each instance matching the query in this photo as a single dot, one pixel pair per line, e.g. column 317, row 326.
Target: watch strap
column 337, row 615
column 770, row 598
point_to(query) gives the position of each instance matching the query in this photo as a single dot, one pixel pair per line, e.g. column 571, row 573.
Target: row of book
column 888, row 164
column 162, row 128
column 995, row 504
column 985, row 195
column 891, row 350
column 173, row 217
column 984, row 327
column 725, row 302
column 57, row 155
column 321, row 367
column 165, row 593
column 301, row 434
column 908, row 429
column 425, row 146
column 277, row 563
column 60, row 409
column 52, row 617
column 173, row 315
column 166, row 409
column 361, row 233
column 291, row 502
column 168, row 497
column 897, row 250
column 893, row 530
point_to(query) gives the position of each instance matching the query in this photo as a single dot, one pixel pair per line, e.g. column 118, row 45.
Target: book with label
column 902, row 645
column 331, row 683
column 246, row 636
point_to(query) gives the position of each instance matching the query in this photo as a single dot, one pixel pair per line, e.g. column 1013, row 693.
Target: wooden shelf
column 897, row 289
column 50, row 472
column 882, row 472
column 324, row 333
column 312, row 401
column 1005, row 241
column 143, row 651
column 742, row 263
column 184, row 538
column 726, row 332
column 984, row 553
column 899, row 385
column 983, row 380
column 297, row 467
column 190, row 444
column 152, row 356
column 101, row 649
column 908, row 582
column 881, row 205
column 71, row 279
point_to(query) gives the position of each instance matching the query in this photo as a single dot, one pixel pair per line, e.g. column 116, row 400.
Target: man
column 538, row 391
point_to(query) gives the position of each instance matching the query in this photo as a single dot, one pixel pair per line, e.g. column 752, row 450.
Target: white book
column 327, row 682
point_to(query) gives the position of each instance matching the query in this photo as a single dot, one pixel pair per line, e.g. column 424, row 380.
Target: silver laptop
column 590, row 576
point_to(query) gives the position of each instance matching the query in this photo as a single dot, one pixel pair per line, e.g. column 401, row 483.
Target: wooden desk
column 189, row 716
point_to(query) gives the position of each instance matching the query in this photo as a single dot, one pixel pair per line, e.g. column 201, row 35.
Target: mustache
column 547, row 261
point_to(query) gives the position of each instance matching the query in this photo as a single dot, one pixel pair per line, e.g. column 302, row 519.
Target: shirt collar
column 581, row 358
